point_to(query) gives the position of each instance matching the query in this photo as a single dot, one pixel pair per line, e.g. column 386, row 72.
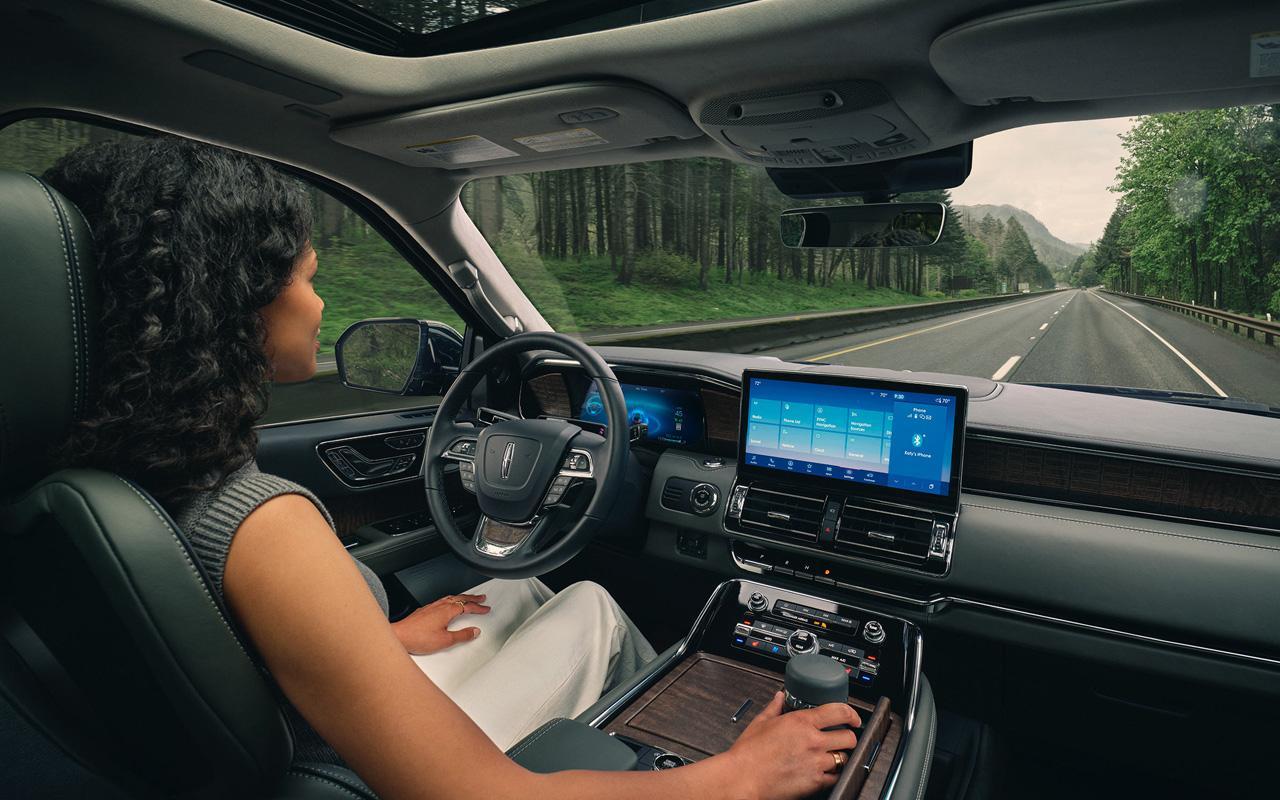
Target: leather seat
column 115, row 648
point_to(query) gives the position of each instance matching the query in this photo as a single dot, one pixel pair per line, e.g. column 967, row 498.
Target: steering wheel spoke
column 497, row 539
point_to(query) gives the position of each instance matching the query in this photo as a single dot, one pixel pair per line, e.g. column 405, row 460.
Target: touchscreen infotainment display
column 898, row 436
column 673, row 416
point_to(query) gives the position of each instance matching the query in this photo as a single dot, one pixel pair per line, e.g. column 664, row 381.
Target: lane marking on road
column 1165, row 342
column 855, row 348
column 1004, row 370
column 1042, row 327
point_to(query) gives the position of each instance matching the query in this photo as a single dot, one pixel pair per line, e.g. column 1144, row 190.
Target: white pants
column 540, row 655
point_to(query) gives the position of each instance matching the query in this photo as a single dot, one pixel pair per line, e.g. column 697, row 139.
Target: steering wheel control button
column 704, row 498
column 801, row 642
column 464, row 448
column 757, row 602
column 873, row 632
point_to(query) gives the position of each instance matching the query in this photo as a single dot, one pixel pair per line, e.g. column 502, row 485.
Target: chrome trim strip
column 909, row 719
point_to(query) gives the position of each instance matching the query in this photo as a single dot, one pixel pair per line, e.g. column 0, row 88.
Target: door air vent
column 898, row 535
column 784, row 514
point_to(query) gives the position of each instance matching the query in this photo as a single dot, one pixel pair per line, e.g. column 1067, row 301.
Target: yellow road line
column 855, row 348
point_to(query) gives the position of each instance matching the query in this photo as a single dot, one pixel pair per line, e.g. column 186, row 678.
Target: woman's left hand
column 427, row 631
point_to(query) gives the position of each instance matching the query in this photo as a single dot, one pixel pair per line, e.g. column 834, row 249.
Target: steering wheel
column 520, row 469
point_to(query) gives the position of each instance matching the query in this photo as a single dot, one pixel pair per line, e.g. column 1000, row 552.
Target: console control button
column 757, row 602
column 873, row 632
column 802, row 642
column 668, row 761
column 704, row 498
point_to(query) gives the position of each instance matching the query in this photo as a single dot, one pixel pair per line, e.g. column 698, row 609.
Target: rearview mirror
column 403, row 356
column 866, row 225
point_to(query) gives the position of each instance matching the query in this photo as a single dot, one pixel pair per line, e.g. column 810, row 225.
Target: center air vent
column 783, row 513
column 900, row 535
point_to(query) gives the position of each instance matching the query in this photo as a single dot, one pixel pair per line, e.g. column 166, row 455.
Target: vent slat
column 892, row 534
column 791, row 515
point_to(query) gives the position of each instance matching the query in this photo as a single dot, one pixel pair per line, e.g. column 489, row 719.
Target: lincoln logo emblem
column 507, row 455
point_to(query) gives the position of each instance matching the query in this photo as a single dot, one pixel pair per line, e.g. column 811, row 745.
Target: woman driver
column 205, row 272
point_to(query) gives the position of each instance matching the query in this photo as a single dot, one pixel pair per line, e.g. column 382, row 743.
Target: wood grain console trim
column 689, row 711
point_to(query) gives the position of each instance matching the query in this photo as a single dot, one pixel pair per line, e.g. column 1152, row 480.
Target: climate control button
column 800, row 642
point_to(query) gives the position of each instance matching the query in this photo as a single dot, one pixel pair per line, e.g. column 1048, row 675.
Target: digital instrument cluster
column 670, row 416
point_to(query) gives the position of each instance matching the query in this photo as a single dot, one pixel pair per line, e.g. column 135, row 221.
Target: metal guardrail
column 1254, row 328
column 751, row 335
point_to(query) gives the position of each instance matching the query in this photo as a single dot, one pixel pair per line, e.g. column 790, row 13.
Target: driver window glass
column 360, row 276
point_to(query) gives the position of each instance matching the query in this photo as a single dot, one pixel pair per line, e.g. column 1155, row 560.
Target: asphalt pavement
column 1077, row 336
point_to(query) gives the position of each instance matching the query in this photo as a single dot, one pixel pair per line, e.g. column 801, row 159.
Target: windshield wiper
column 1171, row 396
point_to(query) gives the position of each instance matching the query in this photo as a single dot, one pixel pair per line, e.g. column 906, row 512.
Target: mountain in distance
column 1055, row 253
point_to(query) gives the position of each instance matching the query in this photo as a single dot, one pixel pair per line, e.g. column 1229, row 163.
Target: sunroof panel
column 431, row 16
column 431, row 27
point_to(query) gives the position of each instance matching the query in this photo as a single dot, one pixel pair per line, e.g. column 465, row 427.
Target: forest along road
column 1076, row 336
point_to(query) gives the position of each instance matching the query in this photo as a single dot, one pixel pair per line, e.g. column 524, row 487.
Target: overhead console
column 836, row 123
column 849, row 466
column 533, row 125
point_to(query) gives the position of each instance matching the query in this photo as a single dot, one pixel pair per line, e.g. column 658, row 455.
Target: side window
column 360, row 275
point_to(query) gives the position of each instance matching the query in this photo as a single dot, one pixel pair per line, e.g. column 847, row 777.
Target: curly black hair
column 192, row 241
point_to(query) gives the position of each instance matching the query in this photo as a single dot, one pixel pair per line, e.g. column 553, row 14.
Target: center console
column 734, row 660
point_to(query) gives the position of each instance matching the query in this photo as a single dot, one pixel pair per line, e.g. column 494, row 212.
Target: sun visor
column 533, row 125
column 1126, row 48
column 940, row 169
column 842, row 122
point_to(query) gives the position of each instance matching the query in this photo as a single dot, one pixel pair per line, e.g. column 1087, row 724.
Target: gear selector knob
column 814, row 680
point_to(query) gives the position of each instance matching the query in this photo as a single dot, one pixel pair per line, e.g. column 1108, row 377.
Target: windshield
column 1139, row 253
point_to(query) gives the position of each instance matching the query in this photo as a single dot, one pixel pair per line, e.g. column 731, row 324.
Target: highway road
column 1076, row 336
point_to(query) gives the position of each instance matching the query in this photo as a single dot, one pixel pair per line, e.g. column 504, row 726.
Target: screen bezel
column 949, row 502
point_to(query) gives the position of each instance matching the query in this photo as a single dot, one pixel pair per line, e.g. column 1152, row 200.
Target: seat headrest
column 48, row 311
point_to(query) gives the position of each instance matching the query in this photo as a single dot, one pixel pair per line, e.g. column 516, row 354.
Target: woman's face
column 293, row 324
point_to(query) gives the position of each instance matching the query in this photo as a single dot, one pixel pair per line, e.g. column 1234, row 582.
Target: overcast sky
column 1059, row 172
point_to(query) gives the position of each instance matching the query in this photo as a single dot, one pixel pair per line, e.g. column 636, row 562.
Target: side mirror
column 399, row 355
column 867, row 225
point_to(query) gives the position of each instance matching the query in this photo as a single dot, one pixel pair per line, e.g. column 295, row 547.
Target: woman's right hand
column 785, row 756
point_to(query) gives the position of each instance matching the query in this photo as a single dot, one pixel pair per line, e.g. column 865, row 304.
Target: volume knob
column 757, row 602
column 873, row 632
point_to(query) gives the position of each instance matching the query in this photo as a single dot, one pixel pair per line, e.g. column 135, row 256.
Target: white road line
column 1165, row 342
column 1004, row 370
column 835, row 353
column 1042, row 327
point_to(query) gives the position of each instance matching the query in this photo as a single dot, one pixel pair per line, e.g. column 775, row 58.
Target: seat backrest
column 93, row 567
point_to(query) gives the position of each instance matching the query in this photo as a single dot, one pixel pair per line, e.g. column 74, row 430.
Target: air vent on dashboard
column 894, row 534
column 783, row 513
column 842, row 525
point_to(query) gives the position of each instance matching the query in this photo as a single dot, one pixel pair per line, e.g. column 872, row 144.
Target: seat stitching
column 75, row 331
column 186, row 555
column 323, row 771
column 1126, row 528
column 928, row 758
column 80, row 305
column 329, row 781
column 536, row 736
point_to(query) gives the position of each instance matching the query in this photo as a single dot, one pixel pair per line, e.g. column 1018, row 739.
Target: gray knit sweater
column 210, row 520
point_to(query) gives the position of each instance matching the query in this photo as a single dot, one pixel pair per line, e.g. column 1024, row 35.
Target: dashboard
column 1071, row 505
